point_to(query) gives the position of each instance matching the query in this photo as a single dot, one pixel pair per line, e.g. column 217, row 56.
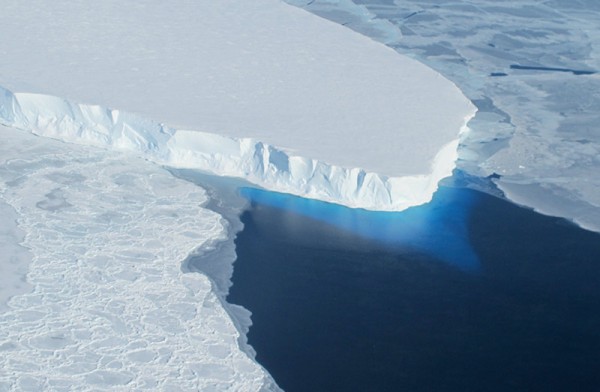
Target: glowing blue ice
column 438, row 228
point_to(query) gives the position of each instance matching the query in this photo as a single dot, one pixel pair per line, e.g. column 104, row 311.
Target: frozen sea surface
column 14, row 258
column 109, row 307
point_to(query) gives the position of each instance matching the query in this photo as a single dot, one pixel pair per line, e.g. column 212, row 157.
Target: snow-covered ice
column 314, row 90
column 14, row 258
column 253, row 160
column 109, row 307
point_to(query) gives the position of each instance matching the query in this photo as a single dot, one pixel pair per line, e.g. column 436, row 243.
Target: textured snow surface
column 109, row 306
column 14, row 259
column 531, row 68
column 245, row 69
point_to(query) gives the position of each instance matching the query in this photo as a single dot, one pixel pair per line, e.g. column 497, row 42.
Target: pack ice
column 108, row 307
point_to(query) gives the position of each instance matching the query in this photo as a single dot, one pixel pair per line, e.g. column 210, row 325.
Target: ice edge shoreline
column 195, row 284
column 257, row 162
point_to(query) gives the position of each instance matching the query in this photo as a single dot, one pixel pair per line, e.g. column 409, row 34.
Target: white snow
column 262, row 70
column 109, row 307
column 354, row 16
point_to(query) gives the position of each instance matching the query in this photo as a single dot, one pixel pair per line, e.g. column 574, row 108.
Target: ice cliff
column 258, row 162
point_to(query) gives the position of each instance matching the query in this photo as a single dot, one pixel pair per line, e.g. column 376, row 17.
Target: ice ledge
column 260, row 163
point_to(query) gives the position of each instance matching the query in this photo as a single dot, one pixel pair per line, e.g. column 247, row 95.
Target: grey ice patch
column 7, row 346
column 141, row 356
column 66, row 178
column 51, row 341
column 54, row 201
column 14, row 259
column 30, row 166
column 124, row 179
column 104, row 377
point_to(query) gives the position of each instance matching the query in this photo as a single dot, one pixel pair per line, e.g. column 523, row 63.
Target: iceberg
column 315, row 109
column 255, row 161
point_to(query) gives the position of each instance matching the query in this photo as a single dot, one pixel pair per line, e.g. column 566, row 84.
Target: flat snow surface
column 259, row 69
column 109, row 307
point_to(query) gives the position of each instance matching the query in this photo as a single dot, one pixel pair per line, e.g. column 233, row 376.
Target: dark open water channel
column 470, row 293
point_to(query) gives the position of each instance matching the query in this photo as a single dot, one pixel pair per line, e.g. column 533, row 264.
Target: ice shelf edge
column 257, row 162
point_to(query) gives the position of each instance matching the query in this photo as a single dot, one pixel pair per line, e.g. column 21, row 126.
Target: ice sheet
column 110, row 308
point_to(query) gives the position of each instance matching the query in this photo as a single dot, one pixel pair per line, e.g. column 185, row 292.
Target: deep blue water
column 468, row 293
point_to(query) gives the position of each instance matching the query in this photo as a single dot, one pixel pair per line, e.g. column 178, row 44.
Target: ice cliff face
column 258, row 162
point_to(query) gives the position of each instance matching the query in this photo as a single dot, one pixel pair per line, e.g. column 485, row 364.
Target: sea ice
column 109, row 307
column 14, row 259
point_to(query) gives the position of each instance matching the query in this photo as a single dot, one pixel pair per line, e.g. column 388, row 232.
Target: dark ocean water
column 469, row 293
